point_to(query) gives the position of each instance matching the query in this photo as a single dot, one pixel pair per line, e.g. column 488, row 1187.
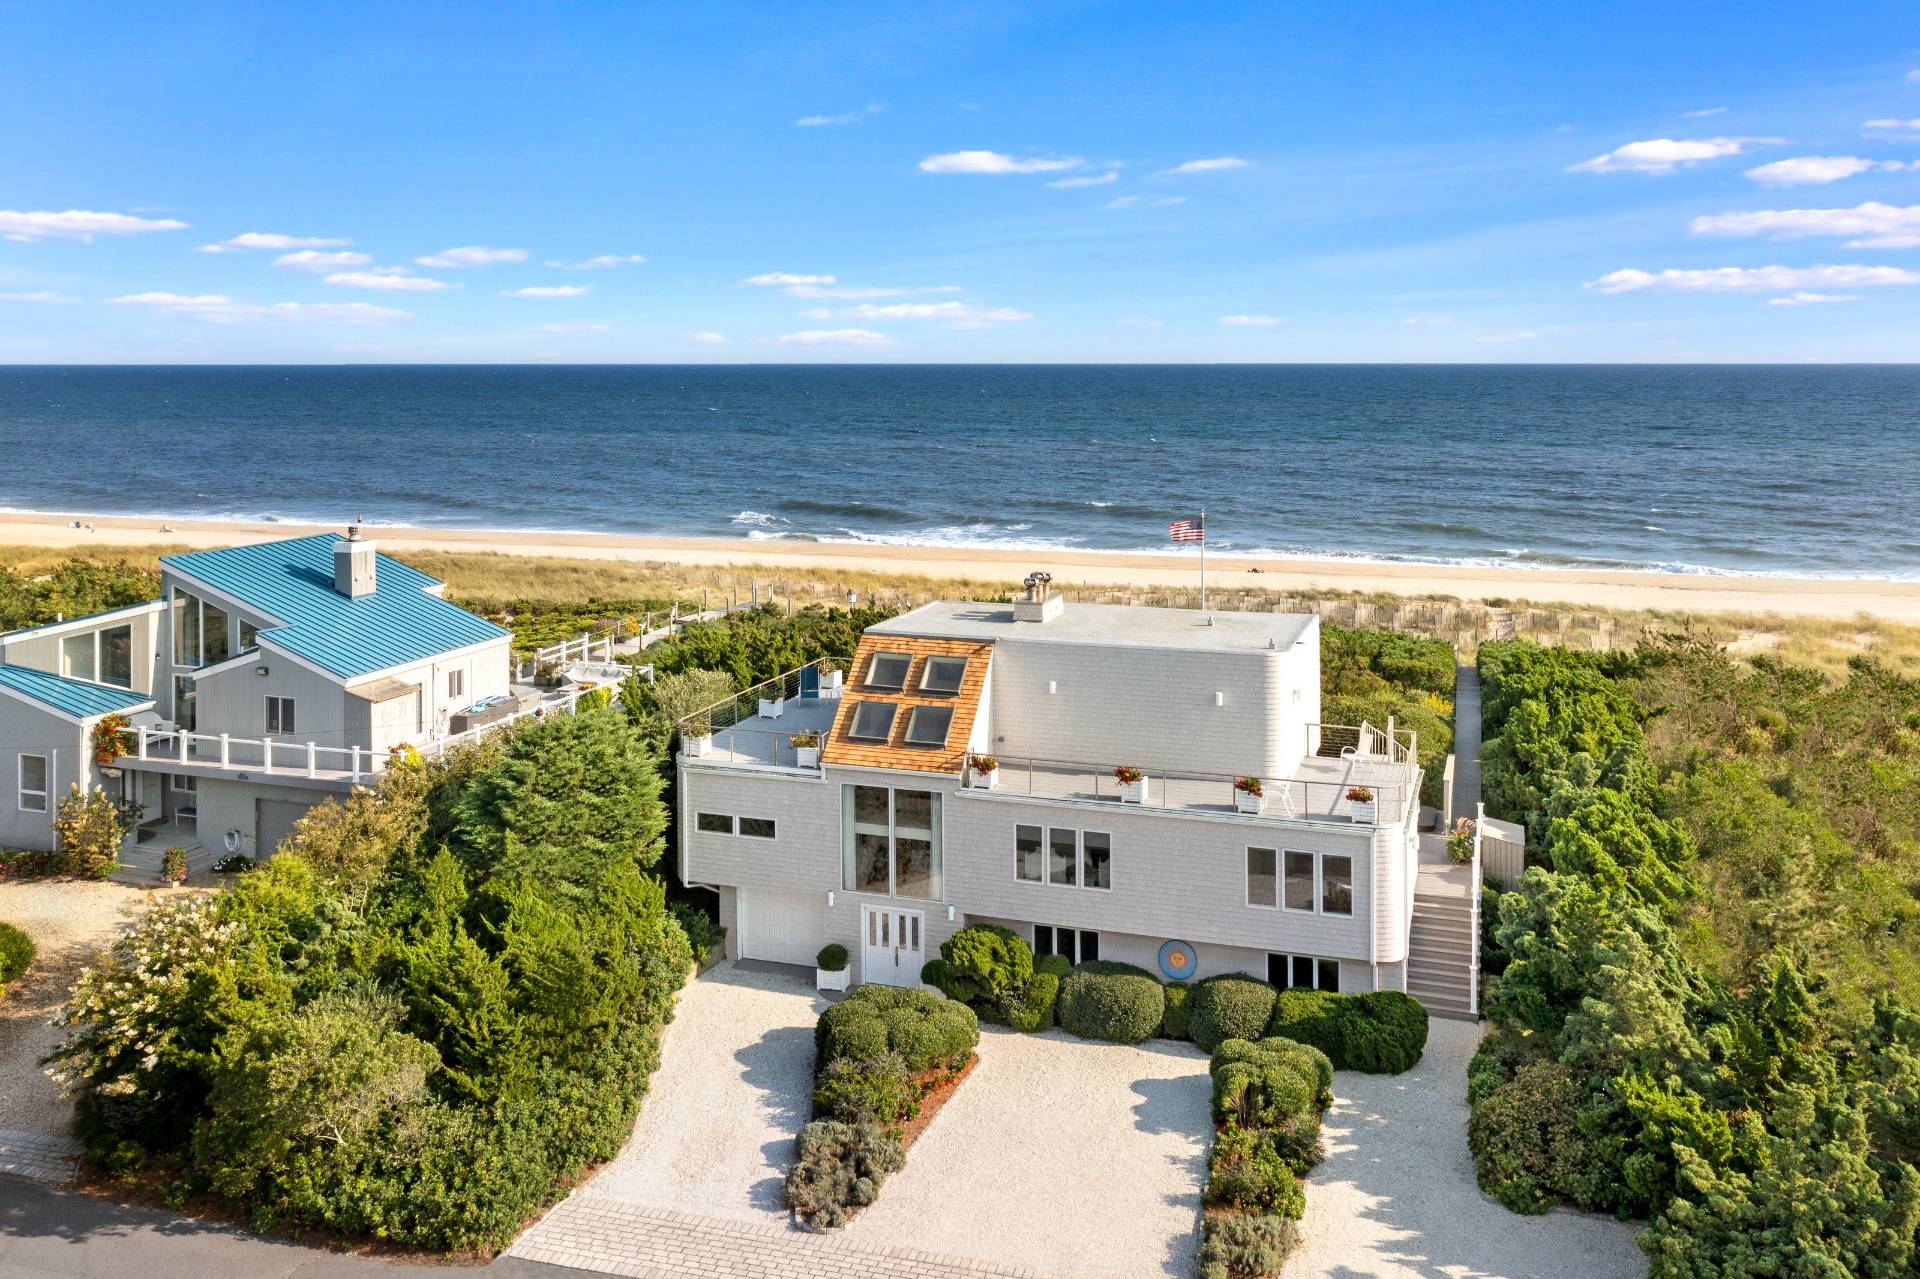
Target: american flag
column 1188, row 530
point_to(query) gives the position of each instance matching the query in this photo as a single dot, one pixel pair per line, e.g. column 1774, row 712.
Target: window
column 249, row 636
column 185, row 698
column 891, row 842
column 1079, row 946
column 1262, row 880
column 1303, row 972
column 888, row 671
column 1026, row 853
column 186, row 629
column 1096, row 860
column 213, row 634
column 280, row 715
column 757, row 827
column 1062, row 852
column 927, row 725
column 456, row 684
column 184, row 783
column 872, row 721
column 33, row 783
column 116, row 656
column 943, row 674
column 76, row 656
column 1299, row 885
column 1336, row 884
column 714, row 823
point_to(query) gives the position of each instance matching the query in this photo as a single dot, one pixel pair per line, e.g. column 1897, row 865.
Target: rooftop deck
column 766, row 739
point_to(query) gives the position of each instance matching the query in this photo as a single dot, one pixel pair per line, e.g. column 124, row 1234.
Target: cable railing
column 1344, row 741
column 768, row 698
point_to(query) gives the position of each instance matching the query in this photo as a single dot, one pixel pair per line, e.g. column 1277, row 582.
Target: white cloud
column 212, row 308
column 828, row 121
column 995, row 162
column 837, row 337
column 1427, row 321
column 785, row 278
column 1762, row 279
column 1524, row 335
column 38, row 295
column 272, row 241
column 705, row 338
column 387, row 280
column 582, row 327
column 1664, row 155
column 603, row 262
column 1144, row 201
column 472, row 255
column 1703, row 113
column 76, row 224
column 958, row 315
column 548, row 291
column 1815, row 170
column 1804, row 298
column 1213, row 165
column 1913, row 76
column 316, row 261
column 1890, row 124
column 1877, row 226
column 1067, row 184
column 848, row 292
column 1251, row 321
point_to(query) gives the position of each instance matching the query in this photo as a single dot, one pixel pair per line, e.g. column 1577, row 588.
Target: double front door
column 892, row 945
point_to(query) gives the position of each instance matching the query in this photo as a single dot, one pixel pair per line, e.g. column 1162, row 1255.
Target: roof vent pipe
column 353, row 564
column 1041, row 603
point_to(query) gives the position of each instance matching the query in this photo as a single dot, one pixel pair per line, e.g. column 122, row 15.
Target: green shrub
column 1311, row 1017
column 1033, row 1010
column 1296, row 1140
column 1240, row 1246
column 929, row 1033
column 1246, row 1172
column 1267, row 1080
column 703, row 931
column 832, row 958
column 1527, row 1143
column 838, row 1168
column 856, row 1090
column 1383, row 1032
column 940, row 975
column 983, row 960
column 16, row 953
column 1234, row 1006
column 1121, row 1007
column 1173, row 1023
column 87, row 828
column 1114, row 968
column 1058, row 965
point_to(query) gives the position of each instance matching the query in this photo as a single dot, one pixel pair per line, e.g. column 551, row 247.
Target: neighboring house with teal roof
column 265, row 678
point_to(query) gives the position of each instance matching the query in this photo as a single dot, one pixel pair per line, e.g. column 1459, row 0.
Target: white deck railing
column 280, row 757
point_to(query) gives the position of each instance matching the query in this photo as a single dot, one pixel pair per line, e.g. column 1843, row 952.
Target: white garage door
column 787, row 928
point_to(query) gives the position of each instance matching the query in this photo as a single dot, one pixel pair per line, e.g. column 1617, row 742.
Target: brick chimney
column 353, row 564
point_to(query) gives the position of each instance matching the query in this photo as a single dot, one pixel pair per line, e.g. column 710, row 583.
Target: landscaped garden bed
column 885, row 1061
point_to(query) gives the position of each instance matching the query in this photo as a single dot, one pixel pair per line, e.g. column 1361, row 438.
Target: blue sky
column 982, row 182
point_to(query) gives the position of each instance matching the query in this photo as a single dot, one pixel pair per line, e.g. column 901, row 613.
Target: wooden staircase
column 1440, row 949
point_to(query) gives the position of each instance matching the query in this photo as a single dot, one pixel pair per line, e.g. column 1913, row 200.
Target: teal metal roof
column 76, row 697
column 293, row 581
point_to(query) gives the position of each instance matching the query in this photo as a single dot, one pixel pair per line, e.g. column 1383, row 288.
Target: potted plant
column 830, row 967
column 173, row 867
column 806, row 748
column 1460, row 842
column 112, row 735
column 986, row 771
column 1360, row 800
column 1246, row 794
column 832, row 678
column 1133, row 784
column 696, row 736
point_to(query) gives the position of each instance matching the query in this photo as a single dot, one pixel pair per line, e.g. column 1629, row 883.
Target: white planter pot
column 808, row 756
column 695, row 747
column 1362, row 812
column 1134, row 792
column 824, row 980
column 830, row 682
column 986, row 781
column 1244, row 802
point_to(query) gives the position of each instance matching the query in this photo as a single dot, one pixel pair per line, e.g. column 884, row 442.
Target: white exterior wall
column 225, row 806
column 41, row 648
column 487, row 670
column 234, row 701
column 33, row 730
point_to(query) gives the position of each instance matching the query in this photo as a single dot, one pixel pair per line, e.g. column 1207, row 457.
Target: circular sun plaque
column 1178, row 961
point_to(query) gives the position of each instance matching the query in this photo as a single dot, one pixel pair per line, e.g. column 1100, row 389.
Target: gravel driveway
column 1396, row 1197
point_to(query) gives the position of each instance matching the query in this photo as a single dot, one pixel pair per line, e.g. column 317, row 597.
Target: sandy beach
column 1787, row 597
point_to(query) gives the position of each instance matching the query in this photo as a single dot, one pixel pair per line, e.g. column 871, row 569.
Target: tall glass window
column 116, row 656
column 1299, row 881
column 1096, row 860
column 213, row 634
column 1261, row 879
column 76, row 655
column 916, row 841
column 1336, row 884
column 891, row 842
column 1026, row 853
column 1062, row 852
column 184, row 697
column 186, row 629
column 867, row 850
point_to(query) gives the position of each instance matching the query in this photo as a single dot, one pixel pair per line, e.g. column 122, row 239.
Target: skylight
column 872, row 721
column 942, row 674
column 888, row 671
column 927, row 726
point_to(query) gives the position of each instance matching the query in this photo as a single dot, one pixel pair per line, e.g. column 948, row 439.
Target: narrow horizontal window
column 757, row 827
column 888, row 671
column 943, row 674
column 927, row 725
column 872, row 721
column 715, row 823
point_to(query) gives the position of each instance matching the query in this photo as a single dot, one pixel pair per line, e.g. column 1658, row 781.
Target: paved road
column 46, row 1233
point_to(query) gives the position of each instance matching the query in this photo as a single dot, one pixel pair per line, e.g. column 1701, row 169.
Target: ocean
column 1746, row 469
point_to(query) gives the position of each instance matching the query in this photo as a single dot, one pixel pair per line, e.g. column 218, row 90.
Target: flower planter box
column 1246, row 802
column 987, row 780
column 1134, row 792
column 1362, row 811
column 695, row 747
column 808, row 756
column 834, row 981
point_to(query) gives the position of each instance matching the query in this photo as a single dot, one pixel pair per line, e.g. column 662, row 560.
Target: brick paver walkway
column 29, row 1154
column 590, row 1232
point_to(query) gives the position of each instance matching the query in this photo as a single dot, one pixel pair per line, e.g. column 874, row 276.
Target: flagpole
column 1203, row 559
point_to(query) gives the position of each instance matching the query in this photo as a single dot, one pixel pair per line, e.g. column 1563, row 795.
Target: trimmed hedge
column 1310, row 1061
column 1058, row 965
column 1267, row 1097
column 1232, row 1006
column 927, row 1031
column 981, row 961
column 1033, row 1010
column 1115, row 1002
column 16, row 953
column 1380, row 1031
column 1173, row 1024
column 856, row 1090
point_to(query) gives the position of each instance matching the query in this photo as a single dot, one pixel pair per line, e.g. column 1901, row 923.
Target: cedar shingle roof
column 894, row 752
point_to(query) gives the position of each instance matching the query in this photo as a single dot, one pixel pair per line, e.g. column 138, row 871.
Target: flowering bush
column 1460, row 841
column 1360, row 794
column 112, row 738
column 87, row 829
column 173, row 866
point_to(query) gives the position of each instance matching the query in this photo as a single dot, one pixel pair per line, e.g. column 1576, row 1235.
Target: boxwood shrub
column 983, row 960
column 1232, row 1006
column 1173, row 1024
column 1261, row 1084
column 1033, row 1009
column 1119, row 1003
column 1381, row 1031
column 16, row 953
column 1058, row 965
column 927, row 1031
